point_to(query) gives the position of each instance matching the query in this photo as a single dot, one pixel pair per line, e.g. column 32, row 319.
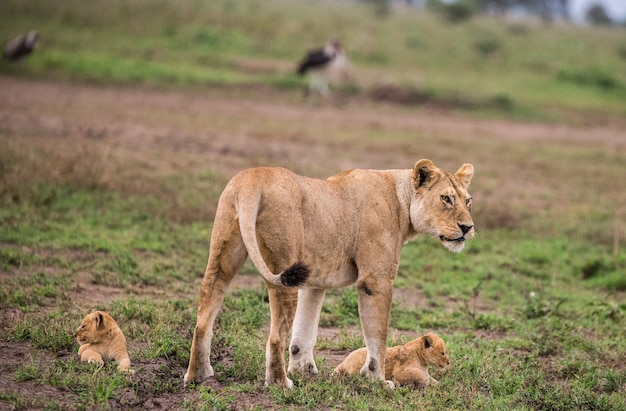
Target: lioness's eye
column 446, row 199
column 468, row 202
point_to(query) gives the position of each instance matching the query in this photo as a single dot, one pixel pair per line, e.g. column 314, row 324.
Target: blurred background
column 527, row 58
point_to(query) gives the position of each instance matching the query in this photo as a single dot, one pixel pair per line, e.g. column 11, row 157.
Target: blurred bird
column 321, row 63
column 21, row 46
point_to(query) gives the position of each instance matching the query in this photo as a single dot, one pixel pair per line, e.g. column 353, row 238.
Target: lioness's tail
column 295, row 276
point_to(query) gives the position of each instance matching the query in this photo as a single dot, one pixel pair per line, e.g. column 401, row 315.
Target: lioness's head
column 95, row 327
column 442, row 204
column 434, row 351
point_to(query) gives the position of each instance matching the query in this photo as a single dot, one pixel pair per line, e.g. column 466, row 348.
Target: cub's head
column 435, row 352
column 95, row 328
column 442, row 204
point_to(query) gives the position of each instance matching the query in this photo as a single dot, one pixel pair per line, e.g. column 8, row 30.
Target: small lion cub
column 405, row 364
column 101, row 339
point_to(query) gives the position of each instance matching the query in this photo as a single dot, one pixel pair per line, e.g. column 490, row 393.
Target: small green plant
column 10, row 257
column 51, row 332
column 609, row 309
column 594, row 268
column 212, row 400
column 125, row 268
column 27, row 372
column 537, row 305
column 491, row 322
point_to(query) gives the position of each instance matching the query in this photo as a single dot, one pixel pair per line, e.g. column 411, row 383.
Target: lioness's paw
column 198, row 378
column 304, row 366
column 288, row 384
column 390, row 384
column 371, row 374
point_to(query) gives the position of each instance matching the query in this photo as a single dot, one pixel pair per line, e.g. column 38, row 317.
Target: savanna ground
column 88, row 238
column 109, row 185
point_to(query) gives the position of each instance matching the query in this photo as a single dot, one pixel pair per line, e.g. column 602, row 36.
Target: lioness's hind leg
column 304, row 332
column 283, row 303
column 221, row 269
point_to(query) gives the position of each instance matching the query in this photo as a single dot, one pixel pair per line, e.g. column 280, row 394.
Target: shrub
column 488, row 45
column 454, row 12
column 594, row 78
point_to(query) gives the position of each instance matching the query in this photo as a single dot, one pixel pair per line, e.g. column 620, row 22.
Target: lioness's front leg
column 374, row 309
column 304, row 332
column 283, row 303
column 223, row 264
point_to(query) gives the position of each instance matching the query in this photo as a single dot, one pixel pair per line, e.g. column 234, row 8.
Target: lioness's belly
column 332, row 278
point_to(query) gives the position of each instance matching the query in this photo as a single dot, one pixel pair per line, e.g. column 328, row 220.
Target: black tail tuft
column 296, row 275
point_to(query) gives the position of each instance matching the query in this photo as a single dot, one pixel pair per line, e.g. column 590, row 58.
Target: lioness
column 405, row 364
column 319, row 234
column 101, row 339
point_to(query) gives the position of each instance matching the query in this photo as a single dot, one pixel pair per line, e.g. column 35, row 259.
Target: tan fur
column 101, row 339
column 344, row 230
column 405, row 364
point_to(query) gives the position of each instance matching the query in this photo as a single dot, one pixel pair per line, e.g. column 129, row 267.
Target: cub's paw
column 127, row 370
column 97, row 361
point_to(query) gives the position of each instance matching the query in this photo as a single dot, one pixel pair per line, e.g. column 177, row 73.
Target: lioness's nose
column 465, row 228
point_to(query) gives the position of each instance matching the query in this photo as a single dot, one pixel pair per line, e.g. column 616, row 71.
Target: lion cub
column 405, row 364
column 101, row 339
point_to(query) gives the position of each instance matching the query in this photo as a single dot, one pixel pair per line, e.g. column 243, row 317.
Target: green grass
column 521, row 317
column 520, row 69
column 533, row 314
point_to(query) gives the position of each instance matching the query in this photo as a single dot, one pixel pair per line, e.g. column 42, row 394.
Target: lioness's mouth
column 458, row 240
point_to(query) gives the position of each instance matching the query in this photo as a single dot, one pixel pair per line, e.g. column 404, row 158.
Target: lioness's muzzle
column 458, row 240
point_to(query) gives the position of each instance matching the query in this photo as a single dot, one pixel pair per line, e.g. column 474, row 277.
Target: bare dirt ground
column 157, row 133
column 136, row 135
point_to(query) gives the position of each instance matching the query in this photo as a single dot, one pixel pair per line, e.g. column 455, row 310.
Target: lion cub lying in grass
column 405, row 364
column 101, row 339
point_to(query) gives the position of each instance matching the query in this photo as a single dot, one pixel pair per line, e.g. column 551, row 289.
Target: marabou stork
column 321, row 63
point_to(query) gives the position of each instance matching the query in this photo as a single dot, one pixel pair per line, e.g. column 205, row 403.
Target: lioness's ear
column 465, row 174
column 428, row 342
column 423, row 172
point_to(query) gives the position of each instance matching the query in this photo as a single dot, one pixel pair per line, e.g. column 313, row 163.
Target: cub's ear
column 423, row 172
column 465, row 174
column 99, row 320
column 428, row 342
